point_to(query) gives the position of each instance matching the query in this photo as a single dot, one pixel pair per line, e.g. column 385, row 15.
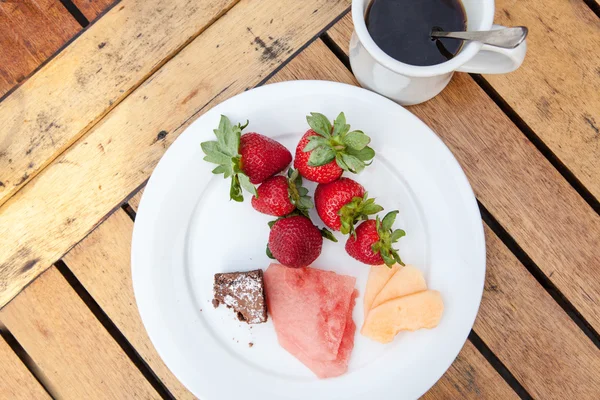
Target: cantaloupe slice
column 379, row 275
column 407, row 280
column 412, row 312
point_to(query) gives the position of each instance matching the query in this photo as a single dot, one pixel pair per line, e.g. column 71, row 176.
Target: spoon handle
column 508, row 38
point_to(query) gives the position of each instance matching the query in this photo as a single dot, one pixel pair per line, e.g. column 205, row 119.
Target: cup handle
column 495, row 60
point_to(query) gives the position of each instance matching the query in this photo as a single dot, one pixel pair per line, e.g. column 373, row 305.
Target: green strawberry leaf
column 354, row 164
column 397, row 257
column 340, row 128
column 340, row 162
column 371, row 208
column 356, row 140
column 220, row 169
column 245, row 183
column 321, row 156
column 346, row 227
column 376, row 247
column 389, row 261
column 349, row 148
column 304, row 203
column 302, row 191
column 269, row 254
column 314, row 142
column 388, row 220
column 364, row 154
column 397, row 234
column 225, row 153
column 326, row 233
column 320, row 124
column 235, row 192
column 271, row 223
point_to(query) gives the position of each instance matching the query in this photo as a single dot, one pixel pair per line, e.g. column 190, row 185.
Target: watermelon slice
column 331, row 368
column 309, row 308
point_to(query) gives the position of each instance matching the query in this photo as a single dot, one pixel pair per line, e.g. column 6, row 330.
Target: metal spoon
column 508, row 38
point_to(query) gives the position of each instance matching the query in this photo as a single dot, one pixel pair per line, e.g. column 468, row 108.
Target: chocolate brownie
column 244, row 292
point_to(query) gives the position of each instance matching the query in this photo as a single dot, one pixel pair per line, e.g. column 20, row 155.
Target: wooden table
column 88, row 108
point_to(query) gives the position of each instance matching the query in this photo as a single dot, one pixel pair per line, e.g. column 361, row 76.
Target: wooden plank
column 15, row 60
column 45, row 219
column 93, row 8
column 91, row 76
column 470, row 377
column 518, row 319
column 69, row 344
column 41, row 25
column 17, row 383
column 30, row 32
column 557, row 90
column 134, row 202
column 531, row 334
column 101, row 263
column 532, row 201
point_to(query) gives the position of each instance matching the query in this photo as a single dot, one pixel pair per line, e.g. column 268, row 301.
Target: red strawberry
column 294, row 241
column 280, row 196
column 342, row 203
column 324, row 173
column 325, row 151
column 249, row 159
column 373, row 242
column 262, row 157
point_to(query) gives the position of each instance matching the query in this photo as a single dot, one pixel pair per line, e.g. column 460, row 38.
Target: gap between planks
column 75, row 12
column 26, row 388
column 112, row 329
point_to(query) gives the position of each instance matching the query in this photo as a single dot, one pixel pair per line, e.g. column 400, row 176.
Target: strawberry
column 342, row 203
column 249, row 159
column 326, row 151
column 295, row 241
column 373, row 241
column 280, row 195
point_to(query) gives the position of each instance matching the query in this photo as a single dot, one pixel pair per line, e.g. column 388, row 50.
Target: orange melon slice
column 412, row 312
column 407, row 280
column 379, row 275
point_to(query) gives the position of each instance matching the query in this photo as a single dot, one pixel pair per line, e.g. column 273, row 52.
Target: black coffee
column 402, row 29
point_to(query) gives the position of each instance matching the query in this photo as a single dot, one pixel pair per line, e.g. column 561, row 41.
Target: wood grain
column 16, row 382
column 557, row 90
column 90, row 77
column 69, row 345
column 470, row 377
column 30, row 32
column 530, row 199
column 93, row 8
column 101, row 263
column 134, row 202
column 46, row 218
column 531, row 334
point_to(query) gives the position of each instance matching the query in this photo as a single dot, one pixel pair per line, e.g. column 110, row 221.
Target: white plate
column 186, row 230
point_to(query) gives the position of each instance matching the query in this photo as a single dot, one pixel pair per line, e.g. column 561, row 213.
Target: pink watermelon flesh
column 331, row 368
column 309, row 308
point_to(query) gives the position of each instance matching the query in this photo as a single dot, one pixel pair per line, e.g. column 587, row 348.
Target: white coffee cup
column 409, row 84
